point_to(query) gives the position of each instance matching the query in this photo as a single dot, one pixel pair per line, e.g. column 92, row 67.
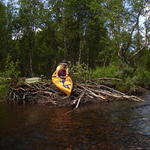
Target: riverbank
column 4, row 86
column 120, row 85
column 44, row 92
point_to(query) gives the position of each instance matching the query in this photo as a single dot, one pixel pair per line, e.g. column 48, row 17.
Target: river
column 109, row 126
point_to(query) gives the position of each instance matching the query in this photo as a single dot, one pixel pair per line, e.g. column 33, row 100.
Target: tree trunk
column 30, row 65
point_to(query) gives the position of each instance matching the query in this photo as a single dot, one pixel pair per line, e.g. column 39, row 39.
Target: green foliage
column 109, row 71
column 79, row 72
column 133, row 79
column 142, row 78
column 3, row 89
column 10, row 73
column 125, row 71
column 3, row 35
column 39, row 34
column 129, row 82
column 10, row 70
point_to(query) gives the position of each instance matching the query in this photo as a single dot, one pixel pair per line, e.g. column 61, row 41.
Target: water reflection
column 142, row 120
column 109, row 126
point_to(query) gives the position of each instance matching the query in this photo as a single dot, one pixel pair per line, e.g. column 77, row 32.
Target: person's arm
column 67, row 71
column 57, row 70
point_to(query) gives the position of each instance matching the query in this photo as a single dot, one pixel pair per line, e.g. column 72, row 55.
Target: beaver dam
column 47, row 93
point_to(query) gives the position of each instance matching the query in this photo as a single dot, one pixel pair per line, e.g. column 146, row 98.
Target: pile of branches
column 47, row 93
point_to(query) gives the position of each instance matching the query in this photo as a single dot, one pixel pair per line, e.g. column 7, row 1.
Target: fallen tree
column 47, row 93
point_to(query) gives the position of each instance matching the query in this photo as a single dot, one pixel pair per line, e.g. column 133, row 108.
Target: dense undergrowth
column 10, row 73
column 130, row 78
column 4, row 85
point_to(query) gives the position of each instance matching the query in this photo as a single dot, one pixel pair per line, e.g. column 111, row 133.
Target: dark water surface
column 111, row 126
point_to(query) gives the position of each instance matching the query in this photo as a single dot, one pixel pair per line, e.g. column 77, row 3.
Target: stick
column 89, row 90
column 79, row 99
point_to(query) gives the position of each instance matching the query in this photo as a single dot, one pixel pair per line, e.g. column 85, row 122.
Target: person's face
column 64, row 66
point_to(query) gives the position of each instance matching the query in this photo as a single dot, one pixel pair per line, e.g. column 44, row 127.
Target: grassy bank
column 4, row 85
column 109, row 71
column 131, row 79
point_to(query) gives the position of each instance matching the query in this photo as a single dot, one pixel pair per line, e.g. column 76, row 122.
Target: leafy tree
column 29, row 21
column 46, row 55
column 97, row 33
column 3, row 35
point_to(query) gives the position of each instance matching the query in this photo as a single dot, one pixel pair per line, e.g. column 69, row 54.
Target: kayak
column 64, row 84
column 33, row 80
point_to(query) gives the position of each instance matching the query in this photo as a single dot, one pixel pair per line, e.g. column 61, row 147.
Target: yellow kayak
column 64, row 85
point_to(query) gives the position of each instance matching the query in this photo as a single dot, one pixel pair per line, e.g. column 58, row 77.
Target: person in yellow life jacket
column 62, row 70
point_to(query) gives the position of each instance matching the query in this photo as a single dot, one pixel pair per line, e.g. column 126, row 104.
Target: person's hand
column 57, row 76
column 62, row 77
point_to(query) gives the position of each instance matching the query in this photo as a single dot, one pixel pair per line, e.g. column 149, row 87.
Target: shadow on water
column 117, row 125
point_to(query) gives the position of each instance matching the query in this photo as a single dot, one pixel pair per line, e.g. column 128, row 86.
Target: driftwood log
column 47, row 93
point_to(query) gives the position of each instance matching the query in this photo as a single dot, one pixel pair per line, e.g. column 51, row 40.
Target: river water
column 109, row 126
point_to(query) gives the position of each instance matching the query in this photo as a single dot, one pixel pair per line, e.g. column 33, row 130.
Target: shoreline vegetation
column 89, row 87
column 101, row 47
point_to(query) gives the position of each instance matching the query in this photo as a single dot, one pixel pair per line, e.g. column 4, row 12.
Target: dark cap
column 64, row 62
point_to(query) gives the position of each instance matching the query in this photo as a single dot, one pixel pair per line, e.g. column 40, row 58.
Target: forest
column 98, row 38
column 104, row 101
